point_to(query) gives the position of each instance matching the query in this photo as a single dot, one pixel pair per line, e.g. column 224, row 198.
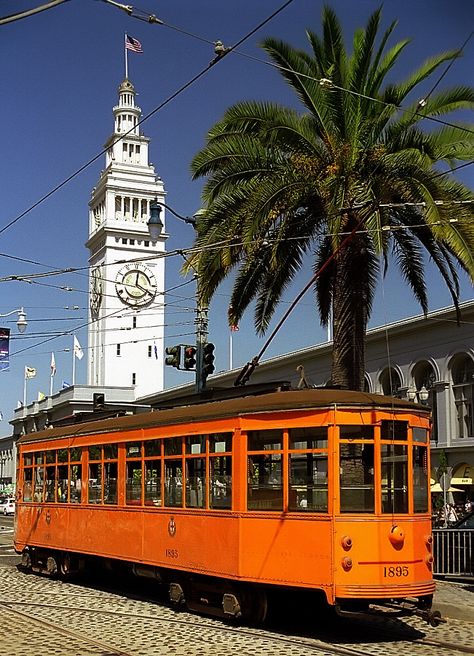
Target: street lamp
column 155, row 228
column 22, row 322
column 423, row 395
column 155, row 224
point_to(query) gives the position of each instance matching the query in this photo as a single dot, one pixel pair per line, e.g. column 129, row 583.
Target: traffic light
column 208, row 360
column 189, row 357
column 98, row 401
column 174, row 353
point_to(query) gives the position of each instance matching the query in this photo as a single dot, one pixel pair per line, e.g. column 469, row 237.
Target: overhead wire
column 165, row 102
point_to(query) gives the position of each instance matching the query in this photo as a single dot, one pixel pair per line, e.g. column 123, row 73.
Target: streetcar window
column 133, row 449
column 420, row 479
column 110, row 451
column 62, row 455
column 61, row 490
column 308, row 482
column 356, row 432
column 39, row 458
column 393, row 430
column 95, row 453
column 75, row 487
column 196, row 444
column 394, row 478
column 308, row 438
column 153, row 483
column 50, row 456
column 265, row 440
column 49, row 492
column 420, row 434
column 356, row 467
column 110, row 482
column 173, row 446
column 153, row 448
column 265, row 488
column 133, row 493
column 220, row 442
column 95, row 482
column 39, row 482
column 27, row 484
column 173, row 483
column 220, row 489
column 28, row 460
column 195, row 482
column 75, row 454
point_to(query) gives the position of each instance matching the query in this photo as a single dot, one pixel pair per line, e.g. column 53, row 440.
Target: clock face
column 135, row 284
column 95, row 299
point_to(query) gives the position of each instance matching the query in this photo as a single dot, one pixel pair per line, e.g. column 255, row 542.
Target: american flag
column 133, row 44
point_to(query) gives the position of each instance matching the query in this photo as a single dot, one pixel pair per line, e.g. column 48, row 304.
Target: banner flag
column 30, row 372
column 78, row 352
column 4, row 349
column 53, row 365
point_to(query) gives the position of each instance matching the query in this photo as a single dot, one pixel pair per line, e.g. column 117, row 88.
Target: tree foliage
column 282, row 184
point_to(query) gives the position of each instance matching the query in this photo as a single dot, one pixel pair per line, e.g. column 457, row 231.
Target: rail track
column 134, row 624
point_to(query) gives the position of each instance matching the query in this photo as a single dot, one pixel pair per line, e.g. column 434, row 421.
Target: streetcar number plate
column 395, row 571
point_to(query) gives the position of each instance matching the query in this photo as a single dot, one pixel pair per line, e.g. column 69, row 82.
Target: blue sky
column 59, row 77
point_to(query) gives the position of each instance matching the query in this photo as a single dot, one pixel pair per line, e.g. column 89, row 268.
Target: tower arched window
column 390, row 381
column 462, row 373
column 118, row 207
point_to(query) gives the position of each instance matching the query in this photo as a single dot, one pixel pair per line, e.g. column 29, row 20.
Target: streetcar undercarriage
column 218, row 597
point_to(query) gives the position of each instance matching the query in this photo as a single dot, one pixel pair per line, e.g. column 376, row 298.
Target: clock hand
column 144, row 289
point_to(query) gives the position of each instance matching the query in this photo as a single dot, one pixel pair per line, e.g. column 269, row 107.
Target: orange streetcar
column 224, row 501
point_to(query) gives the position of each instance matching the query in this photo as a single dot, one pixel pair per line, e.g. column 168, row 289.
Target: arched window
column 462, row 372
column 390, row 381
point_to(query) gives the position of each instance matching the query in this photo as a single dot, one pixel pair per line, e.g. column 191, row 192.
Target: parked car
column 7, row 506
column 453, row 548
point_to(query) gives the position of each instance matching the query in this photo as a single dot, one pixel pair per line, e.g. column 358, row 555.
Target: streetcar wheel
column 65, row 566
column 254, row 605
column 435, row 618
column 51, row 566
column 26, row 561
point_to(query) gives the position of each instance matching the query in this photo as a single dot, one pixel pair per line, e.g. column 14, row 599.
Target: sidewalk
column 455, row 599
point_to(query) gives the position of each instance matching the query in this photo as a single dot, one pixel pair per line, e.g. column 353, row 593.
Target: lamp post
column 155, row 228
column 422, row 394
column 21, row 322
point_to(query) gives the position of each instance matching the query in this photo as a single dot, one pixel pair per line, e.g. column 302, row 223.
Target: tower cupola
column 127, row 114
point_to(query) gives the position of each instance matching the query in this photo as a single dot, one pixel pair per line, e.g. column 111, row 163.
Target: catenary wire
column 180, row 90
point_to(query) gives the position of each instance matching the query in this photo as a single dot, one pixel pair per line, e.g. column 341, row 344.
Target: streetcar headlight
column 397, row 536
column 346, row 563
column 346, row 542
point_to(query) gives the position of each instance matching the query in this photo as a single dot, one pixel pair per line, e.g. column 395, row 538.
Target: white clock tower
column 126, row 327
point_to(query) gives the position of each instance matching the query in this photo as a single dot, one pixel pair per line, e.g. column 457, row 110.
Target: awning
column 437, row 488
column 463, row 475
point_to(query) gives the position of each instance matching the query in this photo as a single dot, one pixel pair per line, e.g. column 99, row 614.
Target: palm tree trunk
column 350, row 312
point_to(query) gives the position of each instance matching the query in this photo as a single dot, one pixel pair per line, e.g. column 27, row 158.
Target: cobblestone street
column 43, row 616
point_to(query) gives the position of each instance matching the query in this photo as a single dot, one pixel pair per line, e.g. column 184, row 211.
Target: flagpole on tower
column 74, row 362
column 126, row 57
column 24, row 390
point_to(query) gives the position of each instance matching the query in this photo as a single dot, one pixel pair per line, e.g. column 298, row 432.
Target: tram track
column 308, row 644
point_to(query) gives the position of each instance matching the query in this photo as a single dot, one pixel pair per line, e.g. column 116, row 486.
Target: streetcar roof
column 280, row 401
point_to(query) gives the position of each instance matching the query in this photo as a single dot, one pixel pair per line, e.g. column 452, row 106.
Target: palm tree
column 283, row 184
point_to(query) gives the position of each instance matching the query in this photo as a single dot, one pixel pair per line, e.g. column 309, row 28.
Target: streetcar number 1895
column 395, row 571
